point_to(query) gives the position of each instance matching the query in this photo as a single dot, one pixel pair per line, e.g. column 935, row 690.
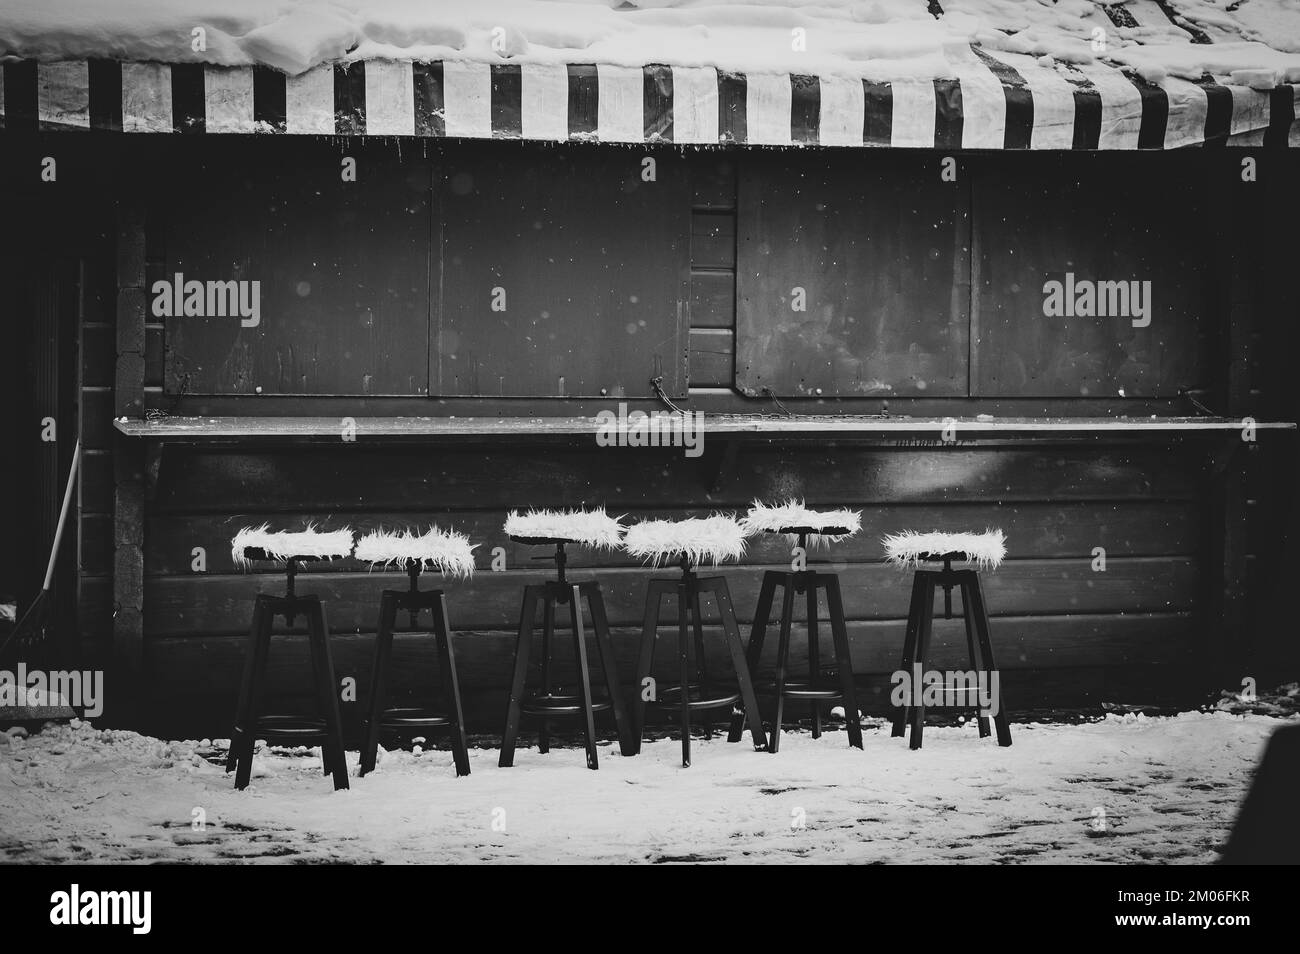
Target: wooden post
column 1232, row 649
column 125, row 681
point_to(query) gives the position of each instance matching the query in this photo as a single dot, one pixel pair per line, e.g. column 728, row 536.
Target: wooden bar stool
column 689, row 543
column 452, row 555
column 559, row 529
column 800, row 526
column 324, row 729
column 979, row 551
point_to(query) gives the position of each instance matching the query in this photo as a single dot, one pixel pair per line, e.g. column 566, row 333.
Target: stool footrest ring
column 803, row 690
column 698, row 697
column 412, row 718
column 555, row 704
column 290, row 729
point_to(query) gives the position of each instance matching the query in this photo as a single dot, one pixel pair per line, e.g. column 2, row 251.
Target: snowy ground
column 1126, row 789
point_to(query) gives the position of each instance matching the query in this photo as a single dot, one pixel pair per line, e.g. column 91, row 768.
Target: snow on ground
column 1126, row 789
column 877, row 39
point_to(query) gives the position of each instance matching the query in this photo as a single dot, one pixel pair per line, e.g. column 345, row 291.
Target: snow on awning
column 1065, row 74
column 1003, row 101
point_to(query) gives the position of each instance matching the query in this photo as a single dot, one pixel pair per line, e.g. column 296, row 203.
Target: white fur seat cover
column 824, row 526
column 700, row 539
column 447, row 551
column 285, row 545
column 909, row 548
column 593, row 528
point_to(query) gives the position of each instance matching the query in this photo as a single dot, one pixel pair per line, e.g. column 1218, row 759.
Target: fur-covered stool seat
column 561, row 528
column 803, row 528
column 452, row 555
column 292, row 549
column 974, row 552
column 689, row 543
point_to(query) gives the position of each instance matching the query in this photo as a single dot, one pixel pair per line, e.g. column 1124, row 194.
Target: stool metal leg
column 1001, row 722
column 319, row 679
column 757, row 634
column 329, row 696
column 973, row 649
column 522, row 649
column 608, row 664
column 925, row 626
column 645, row 659
column 718, row 586
column 379, row 679
column 584, row 679
column 701, row 666
column 548, row 630
column 814, row 663
column 450, row 685
column 782, row 658
column 253, row 648
column 840, row 634
column 242, row 741
column 902, row 715
column 684, row 599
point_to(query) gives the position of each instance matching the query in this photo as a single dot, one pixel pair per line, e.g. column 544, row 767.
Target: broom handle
column 63, row 514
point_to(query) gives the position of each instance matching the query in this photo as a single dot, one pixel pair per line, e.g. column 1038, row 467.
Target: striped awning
column 996, row 101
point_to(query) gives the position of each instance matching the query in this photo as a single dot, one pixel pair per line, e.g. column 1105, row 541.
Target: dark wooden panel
column 96, row 481
column 713, row 357
column 98, row 355
column 344, row 270
column 1102, row 222
column 220, row 605
column 713, row 300
column 563, row 273
column 1029, row 693
column 879, row 247
column 713, row 177
column 97, row 419
column 713, row 239
column 98, row 291
column 371, row 479
column 213, row 664
column 1033, row 530
column 95, row 610
column 1045, row 661
column 154, row 359
column 97, row 544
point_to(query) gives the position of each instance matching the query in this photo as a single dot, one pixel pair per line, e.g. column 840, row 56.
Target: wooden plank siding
column 1197, row 543
column 713, row 272
column 1051, row 609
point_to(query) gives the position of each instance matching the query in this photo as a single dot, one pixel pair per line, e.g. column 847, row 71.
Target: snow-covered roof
column 972, row 73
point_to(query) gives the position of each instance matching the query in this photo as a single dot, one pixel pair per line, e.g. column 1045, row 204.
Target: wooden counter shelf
column 724, row 426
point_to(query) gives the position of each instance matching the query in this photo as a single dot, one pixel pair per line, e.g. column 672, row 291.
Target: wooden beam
column 719, row 425
column 129, row 474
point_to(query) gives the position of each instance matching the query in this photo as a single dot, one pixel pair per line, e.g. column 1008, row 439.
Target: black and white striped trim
column 998, row 100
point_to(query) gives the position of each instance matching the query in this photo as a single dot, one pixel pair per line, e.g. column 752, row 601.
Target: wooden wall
column 1063, row 630
column 1193, row 537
